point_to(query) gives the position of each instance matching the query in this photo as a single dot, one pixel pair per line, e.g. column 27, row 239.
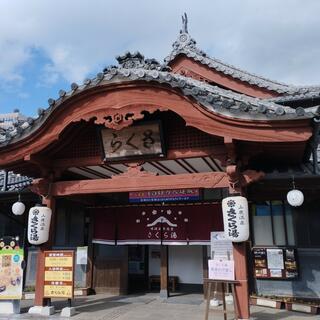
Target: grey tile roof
column 134, row 67
column 296, row 97
column 187, row 46
column 14, row 182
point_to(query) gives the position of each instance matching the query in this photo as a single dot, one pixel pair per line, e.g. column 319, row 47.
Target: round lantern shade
column 235, row 218
column 39, row 224
column 18, row 208
column 295, row 198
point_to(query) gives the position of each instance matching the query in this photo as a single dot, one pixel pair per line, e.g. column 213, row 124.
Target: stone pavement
column 149, row 307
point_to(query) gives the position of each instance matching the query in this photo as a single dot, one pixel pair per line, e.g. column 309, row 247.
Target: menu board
column 59, row 274
column 275, row 263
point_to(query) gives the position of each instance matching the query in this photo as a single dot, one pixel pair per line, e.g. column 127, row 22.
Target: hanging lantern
column 295, row 198
column 39, row 224
column 18, row 208
column 235, row 218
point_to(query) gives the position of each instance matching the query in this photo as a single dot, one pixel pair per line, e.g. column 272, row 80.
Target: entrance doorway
column 138, row 268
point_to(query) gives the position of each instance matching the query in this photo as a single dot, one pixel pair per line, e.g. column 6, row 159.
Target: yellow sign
column 59, row 261
column 58, row 274
column 58, row 291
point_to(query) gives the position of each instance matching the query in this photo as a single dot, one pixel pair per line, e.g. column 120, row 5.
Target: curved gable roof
column 186, row 45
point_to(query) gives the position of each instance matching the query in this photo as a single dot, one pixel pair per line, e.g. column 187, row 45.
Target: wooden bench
column 173, row 282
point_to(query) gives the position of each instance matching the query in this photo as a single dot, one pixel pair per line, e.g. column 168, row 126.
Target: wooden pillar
column 39, row 300
column 164, row 272
column 242, row 289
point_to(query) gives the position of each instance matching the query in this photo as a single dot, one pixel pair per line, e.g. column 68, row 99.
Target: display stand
column 211, row 285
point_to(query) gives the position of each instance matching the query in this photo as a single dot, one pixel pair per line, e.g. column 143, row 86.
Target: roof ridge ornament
column 184, row 23
column 184, row 43
column 137, row 60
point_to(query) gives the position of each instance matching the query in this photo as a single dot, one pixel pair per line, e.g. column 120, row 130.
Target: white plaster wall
column 184, row 262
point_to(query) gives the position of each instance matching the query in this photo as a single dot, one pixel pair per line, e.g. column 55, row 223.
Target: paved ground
column 150, row 307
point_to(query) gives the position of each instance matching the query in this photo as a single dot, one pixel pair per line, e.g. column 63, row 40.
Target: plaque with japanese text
column 136, row 141
column 59, row 274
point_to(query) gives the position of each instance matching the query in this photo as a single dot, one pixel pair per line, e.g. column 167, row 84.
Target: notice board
column 59, row 274
column 275, row 263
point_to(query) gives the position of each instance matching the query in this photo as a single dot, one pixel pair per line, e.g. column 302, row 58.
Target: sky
column 45, row 45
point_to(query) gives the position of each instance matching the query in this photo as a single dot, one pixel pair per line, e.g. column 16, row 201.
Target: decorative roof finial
column 184, row 23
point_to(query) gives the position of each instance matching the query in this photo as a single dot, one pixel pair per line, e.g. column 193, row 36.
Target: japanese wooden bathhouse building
column 135, row 162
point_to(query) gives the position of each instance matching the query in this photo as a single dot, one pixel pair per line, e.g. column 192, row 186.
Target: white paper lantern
column 39, row 224
column 235, row 218
column 18, row 208
column 295, row 198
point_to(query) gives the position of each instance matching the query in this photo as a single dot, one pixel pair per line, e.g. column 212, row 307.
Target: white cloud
column 278, row 39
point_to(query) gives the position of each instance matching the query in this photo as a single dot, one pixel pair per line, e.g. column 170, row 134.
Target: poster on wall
column 275, row 258
column 59, row 274
column 275, row 263
column 11, row 272
column 221, row 247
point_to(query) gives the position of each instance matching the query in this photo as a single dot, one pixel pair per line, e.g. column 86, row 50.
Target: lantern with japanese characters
column 236, row 218
column 39, row 224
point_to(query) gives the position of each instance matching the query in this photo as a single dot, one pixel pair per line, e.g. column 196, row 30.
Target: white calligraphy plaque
column 221, row 269
column 139, row 140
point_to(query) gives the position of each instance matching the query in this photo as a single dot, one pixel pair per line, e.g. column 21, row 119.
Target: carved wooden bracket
column 135, row 170
column 239, row 180
column 118, row 119
column 40, row 187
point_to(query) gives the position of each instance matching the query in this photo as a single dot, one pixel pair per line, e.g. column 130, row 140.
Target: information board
column 275, row 263
column 59, row 274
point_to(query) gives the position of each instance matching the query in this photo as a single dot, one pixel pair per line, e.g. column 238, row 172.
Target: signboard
column 164, row 195
column 11, row 272
column 58, row 274
column 275, row 263
column 236, row 218
column 221, row 269
column 139, row 140
column 221, row 247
